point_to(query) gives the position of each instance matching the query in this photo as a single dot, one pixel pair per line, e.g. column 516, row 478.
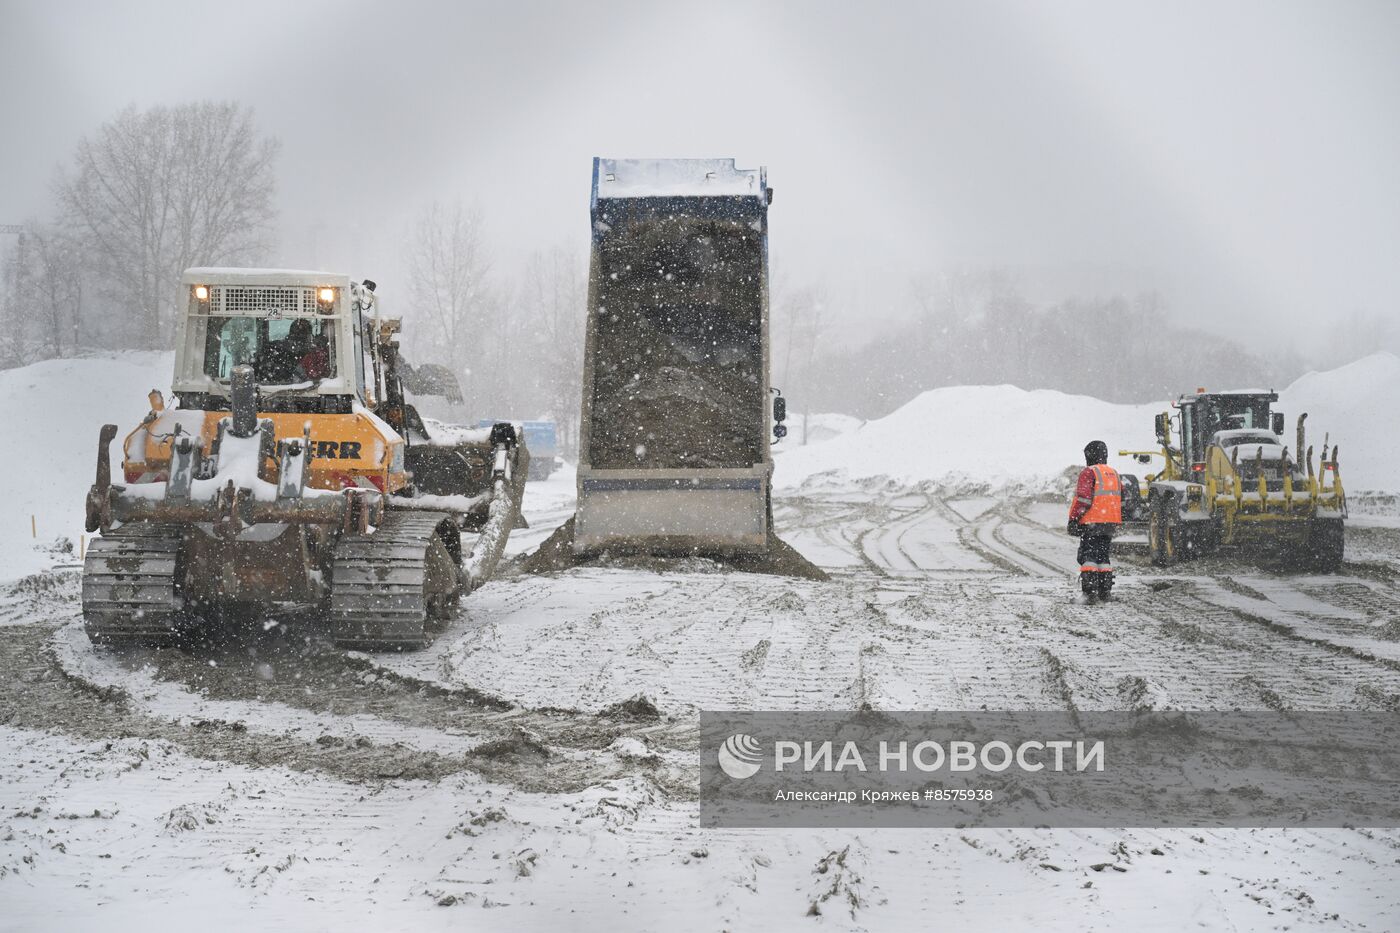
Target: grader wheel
column 1166, row 538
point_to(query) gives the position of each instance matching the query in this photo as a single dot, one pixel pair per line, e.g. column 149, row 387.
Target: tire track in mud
column 939, row 648
column 970, row 540
column 816, row 514
column 1352, row 613
column 1005, row 514
column 821, row 526
column 887, row 530
column 596, row 688
column 1291, row 634
column 908, row 524
column 1138, row 652
column 566, row 648
column 1373, row 601
column 1015, row 511
column 882, row 547
column 1122, row 656
column 1287, row 667
column 1359, row 597
column 864, row 554
column 1105, row 657
column 686, row 644
column 536, row 750
column 1055, row 674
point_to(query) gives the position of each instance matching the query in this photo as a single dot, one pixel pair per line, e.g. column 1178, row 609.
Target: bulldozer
column 1230, row 481
column 290, row 473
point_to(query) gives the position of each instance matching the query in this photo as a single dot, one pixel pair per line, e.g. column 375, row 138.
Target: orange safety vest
column 1107, row 508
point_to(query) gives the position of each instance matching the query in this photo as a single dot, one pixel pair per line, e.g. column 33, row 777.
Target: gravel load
column 678, row 377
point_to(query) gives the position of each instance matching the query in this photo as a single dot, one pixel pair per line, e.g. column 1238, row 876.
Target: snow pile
column 50, row 420
column 449, row 435
column 997, row 436
column 818, row 427
column 1004, row 437
column 1356, row 407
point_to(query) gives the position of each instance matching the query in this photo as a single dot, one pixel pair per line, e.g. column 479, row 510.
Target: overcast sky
column 1243, row 157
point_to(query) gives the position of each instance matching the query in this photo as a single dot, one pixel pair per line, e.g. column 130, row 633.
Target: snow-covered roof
column 215, row 275
column 649, row 178
column 1195, row 395
column 1246, row 435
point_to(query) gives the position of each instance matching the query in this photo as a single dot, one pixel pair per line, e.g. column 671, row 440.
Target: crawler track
column 385, row 585
column 131, row 585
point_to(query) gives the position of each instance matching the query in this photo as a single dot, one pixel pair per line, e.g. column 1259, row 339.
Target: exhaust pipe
column 243, row 395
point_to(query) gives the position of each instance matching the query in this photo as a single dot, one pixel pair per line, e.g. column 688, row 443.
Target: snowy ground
column 502, row 779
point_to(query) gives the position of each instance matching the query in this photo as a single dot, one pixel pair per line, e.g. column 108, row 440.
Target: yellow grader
column 1229, row 481
column 290, row 473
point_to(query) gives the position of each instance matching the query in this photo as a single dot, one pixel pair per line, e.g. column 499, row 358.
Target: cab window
column 282, row 351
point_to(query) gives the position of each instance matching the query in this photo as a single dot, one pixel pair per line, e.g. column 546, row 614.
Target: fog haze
column 1242, row 159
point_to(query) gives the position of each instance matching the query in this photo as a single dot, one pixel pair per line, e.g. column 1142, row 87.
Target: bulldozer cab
column 299, row 331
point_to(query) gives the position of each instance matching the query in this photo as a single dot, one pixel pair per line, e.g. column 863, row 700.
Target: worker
column 278, row 359
column 316, row 363
column 1094, row 516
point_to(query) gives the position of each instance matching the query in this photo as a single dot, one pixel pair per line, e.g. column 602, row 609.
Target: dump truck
column 289, row 473
column 676, row 417
column 1229, row 480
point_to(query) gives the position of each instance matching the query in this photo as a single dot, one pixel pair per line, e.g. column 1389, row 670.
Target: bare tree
column 553, row 298
column 14, row 329
column 50, row 292
column 504, row 369
column 156, row 191
column 448, row 269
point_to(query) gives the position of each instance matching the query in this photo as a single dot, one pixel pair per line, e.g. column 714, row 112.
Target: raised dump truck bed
column 674, row 453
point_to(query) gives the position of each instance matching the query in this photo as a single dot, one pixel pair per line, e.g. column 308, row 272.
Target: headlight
column 326, row 295
column 201, row 292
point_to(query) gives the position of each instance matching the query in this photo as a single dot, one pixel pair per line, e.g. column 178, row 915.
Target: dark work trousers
column 1095, row 569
